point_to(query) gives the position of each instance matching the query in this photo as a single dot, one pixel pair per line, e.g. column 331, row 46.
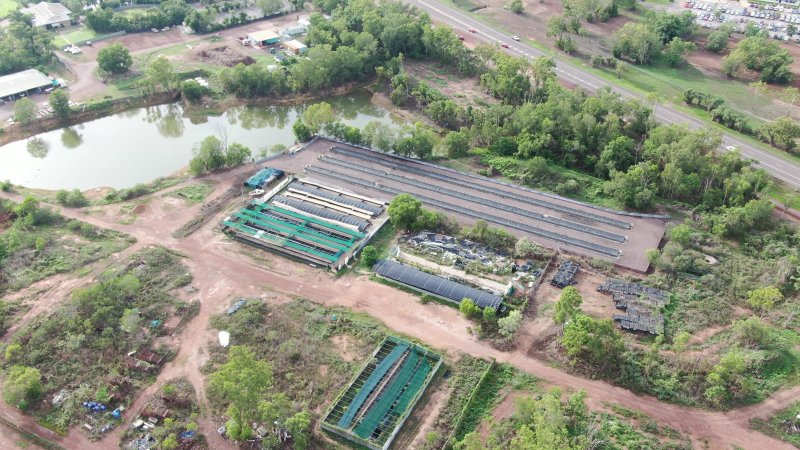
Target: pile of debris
column 642, row 305
column 224, row 56
column 565, row 274
column 460, row 251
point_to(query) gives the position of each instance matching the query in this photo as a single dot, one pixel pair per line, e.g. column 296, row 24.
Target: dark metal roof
column 435, row 285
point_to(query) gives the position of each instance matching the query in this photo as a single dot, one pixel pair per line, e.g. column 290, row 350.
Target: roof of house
column 45, row 13
column 294, row 43
column 23, row 81
column 263, row 35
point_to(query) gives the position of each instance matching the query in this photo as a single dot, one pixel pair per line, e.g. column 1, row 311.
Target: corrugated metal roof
column 23, row 81
column 434, row 284
column 45, row 13
column 263, row 35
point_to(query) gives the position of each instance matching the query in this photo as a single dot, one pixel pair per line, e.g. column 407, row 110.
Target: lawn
column 71, row 36
column 6, row 6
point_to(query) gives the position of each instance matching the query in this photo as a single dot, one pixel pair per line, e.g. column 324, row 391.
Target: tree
column 681, row 234
column 369, row 256
column 759, row 54
column 236, row 154
column 114, row 59
column 675, row 52
column 419, row 143
column 192, row 90
column 568, row 305
column 269, row 7
column 22, row 45
column 718, row 40
column 169, row 443
column 635, row 188
column 208, row 156
column 299, row 426
column 781, row 133
column 516, row 7
column 790, row 95
column 617, row 155
column 160, row 73
column 637, row 42
column 726, row 377
column 241, row 383
column 23, row 386
column 302, row 132
column 24, row 111
column 763, row 299
column 457, row 143
column 596, row 341
column 59, row 101
column 404, row 210
column 73, row 199
column 468, row 308
column 509, row 325
column 317, row 115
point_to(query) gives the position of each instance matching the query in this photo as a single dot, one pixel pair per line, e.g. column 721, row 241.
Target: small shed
column 264, row 37
column 263, row 178
column 296, row 47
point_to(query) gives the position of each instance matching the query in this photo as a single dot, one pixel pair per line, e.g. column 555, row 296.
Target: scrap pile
column 565, row 273
column 642, row 305
column 460, row 251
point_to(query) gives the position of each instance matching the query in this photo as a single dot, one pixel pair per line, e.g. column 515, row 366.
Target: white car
column 516, row 38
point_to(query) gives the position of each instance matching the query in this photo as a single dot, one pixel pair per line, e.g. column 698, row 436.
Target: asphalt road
column 780, row 168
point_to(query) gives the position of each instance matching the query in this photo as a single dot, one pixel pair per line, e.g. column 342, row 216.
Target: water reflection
column 140, row 145
column 70, row 138
column 37, row 147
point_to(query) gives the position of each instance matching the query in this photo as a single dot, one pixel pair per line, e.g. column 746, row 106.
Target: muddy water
column 140, row 145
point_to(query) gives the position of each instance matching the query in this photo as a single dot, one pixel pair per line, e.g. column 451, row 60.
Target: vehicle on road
column 515, row 37
column 504, row 45
column 461, row 38
column 472, row 30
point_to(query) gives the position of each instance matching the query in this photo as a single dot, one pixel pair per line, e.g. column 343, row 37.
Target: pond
column 143, row 144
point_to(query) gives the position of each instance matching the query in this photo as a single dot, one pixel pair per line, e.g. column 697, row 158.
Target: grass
column 779, row 425
column 6, row 6
column 193, row 193
column 72, row 36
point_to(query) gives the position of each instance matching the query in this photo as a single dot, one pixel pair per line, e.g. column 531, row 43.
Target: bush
column 192, row 90
column 369, row 256
column 71, row 199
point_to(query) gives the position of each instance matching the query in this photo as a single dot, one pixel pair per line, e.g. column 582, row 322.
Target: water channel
column 140, row 145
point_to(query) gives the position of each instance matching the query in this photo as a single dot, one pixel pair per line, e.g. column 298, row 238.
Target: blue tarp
column 263, row 177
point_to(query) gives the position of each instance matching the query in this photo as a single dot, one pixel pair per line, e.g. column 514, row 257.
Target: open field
column 553, row 221
column 73, row 35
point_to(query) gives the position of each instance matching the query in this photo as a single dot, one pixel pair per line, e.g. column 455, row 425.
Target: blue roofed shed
column 263, row 178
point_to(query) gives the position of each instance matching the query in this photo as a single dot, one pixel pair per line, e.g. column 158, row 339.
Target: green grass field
column 6, row 6
column 72, row 36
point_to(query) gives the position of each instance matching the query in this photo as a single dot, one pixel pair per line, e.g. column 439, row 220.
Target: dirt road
column 221, row 271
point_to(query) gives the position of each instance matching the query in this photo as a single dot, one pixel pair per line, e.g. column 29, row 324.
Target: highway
column 780, row 168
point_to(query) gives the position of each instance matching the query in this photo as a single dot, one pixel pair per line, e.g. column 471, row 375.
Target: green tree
column 302, row 132
column 24, row 111
column 568, row 305
column 318, row 115
column 635, row 188
column 790, row 95
column 781, row 133
column 59, row 101
column 299, row 426
column 516, row 7
column 726, row 378
column 457, row 143
column 681, row 234
column 404, row 211
column 208, row 156
column 236, row 154
column 489, row 315
column 718, row 40
column 760, row 54
column 114, row 59
column 468, row 308
column 637, row 42
column 675, row 52
column 192, row 90
column 680, row 341
column 269, row 7
column 596, row 341
column 23, row 386
column 160, row 73
column 241, row 383
column 764, row 299
column 169, row 443
column 369, row 256
column 509, row 325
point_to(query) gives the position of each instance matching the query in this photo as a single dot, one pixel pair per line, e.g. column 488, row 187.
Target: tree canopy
column 114, row 59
